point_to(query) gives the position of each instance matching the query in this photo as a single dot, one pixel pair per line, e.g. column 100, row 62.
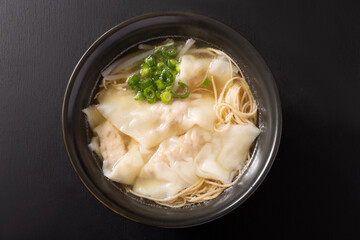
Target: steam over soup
column 173, row 122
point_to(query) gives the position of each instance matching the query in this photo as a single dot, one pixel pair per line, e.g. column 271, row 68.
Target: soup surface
column 173, row 122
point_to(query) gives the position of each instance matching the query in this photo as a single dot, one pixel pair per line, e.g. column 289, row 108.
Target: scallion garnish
column 169, row 51
column 139, row 96
column 160, row 84
column 145, row 70
column 206, row 82
column 133, row 81
column 157, row 77
column 184, row 95
column 150, row 60
column 172, row 63
column 166, row 97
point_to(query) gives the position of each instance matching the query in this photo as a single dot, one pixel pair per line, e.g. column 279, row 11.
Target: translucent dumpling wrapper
column 220, row 68
column 149, row 124
column 193, row 71
column 94, row 145
column 93, row 116
column 180, row 161
column 172, row 167
column 126, row 169
column 222, row 163
column 122, row 160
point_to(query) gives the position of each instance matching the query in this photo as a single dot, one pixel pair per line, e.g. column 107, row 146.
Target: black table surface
column 313, row 51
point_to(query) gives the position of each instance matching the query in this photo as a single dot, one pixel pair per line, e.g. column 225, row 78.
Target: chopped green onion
column 169, row 51
column 178, row 67
column 157, row 76
column 149, row 92
column 161, row 65
column 169, row 88
column 139, row 96
column 206, row 82
column 154, row 78
column 160, row 84
column 151, row 100
column 166, row 97
column 157, row 73
column 185, row 87
column 158, row 94
column 172, row 63
column 150, row 60
column 133, row 81
column 145, row 70
column 167, row 77
column 146, row 83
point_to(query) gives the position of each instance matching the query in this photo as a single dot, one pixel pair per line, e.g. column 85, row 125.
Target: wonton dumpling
column 112, row 146
column 126, row 169
column 94, row 145
column 119, row 164
column 180, row 161
column 149, row 124
column 172, row 167
column 158, row 180
column 222, row 163
column 93, row 116
column 193, row 70
column 94, row 119
column 220, row 68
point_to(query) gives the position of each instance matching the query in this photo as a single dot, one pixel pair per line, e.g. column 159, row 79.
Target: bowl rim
column 278, row 127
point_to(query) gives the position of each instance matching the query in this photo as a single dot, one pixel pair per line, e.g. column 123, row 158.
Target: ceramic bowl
column 84, row 82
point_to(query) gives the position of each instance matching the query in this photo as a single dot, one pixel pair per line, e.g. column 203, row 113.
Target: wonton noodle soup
column 174, row 122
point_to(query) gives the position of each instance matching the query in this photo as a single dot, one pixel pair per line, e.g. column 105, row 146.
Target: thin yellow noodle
column 202, row 90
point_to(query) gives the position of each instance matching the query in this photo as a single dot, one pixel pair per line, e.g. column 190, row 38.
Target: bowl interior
column 117, row 41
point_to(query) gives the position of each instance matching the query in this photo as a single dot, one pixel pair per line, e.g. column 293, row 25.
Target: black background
column 313, row 51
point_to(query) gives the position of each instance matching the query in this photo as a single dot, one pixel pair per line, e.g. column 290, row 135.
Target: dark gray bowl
column 83, row 84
